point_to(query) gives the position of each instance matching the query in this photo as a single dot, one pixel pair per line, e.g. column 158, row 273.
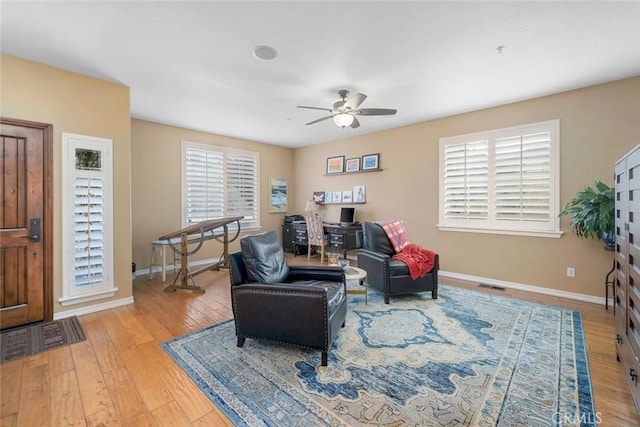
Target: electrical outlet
column 571, row 272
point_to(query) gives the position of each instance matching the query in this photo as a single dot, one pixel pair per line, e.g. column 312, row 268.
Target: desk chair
column 315, row 235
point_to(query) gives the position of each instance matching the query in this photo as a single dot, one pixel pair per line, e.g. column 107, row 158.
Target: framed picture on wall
column 278, row 195
column 278, row 192
column 347, row 196
column 335, row 164
column 328, row 197
column 370, row 161
column 359, row 195
column 318, row 196
column 353, row 165
column 337, row 197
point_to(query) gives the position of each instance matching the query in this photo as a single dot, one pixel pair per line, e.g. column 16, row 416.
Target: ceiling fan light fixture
column 343, row 120
column 264, row 53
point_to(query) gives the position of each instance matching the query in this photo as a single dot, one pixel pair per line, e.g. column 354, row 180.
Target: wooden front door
column 25, row 223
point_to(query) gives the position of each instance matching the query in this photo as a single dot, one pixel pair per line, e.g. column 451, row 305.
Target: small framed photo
column 332, row 260
column 347, row 196
column 359, row 195
column 370, row 161
column 337, row 197
column 335, row 164
column 318, row 196
column 353, row 165
column 328, row 197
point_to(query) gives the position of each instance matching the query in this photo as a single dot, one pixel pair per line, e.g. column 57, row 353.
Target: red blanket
column 419, row 260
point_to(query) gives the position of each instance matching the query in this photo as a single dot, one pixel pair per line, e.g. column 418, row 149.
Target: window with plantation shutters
column 87, row 219
column 502, row 181
column 219, row 182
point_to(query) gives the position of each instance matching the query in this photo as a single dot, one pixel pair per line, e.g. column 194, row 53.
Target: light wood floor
column 121, row 376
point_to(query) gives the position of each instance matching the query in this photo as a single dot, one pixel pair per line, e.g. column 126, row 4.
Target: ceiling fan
column 344, row 112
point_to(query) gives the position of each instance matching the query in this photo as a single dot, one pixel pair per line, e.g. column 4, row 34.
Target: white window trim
column 492, row 226
column 225, row 150
column 72, row 294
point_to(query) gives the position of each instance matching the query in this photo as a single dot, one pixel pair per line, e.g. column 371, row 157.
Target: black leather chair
column 386, row 274
column 298, row 305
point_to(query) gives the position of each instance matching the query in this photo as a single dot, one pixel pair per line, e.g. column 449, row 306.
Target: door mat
column 33, row 339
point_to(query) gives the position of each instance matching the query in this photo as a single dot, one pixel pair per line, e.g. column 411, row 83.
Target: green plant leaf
column 593, row 211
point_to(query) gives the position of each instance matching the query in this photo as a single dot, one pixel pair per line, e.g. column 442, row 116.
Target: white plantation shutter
column 204, row 185
column 89, row 231
column 219, row 182
column 502, row 181
column 523, row 178
column 242, row 187
column 466, row 180
column 87, row 224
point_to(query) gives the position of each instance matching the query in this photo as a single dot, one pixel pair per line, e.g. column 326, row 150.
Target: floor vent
column 497, row 288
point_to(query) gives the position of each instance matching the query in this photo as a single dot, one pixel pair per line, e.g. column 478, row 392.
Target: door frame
column 47, row 220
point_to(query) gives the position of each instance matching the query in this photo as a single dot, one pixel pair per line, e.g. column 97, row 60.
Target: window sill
column 528, row 233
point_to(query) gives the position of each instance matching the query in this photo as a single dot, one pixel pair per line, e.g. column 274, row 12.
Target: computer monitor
column 347, row 216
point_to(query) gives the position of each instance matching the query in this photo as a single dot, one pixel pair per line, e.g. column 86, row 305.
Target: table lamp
column 311, row 207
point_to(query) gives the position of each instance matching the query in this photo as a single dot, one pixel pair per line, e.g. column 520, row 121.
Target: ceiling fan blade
column 355, row 123
column 313, row 108
column 375, row 112
column 319, row 120
column 355, row 101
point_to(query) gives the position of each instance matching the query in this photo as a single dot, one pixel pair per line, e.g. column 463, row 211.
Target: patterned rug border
column 28, row 340
column 204, row 387
column 583, row 379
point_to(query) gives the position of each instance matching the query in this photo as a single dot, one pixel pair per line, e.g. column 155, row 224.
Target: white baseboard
column 93, row 308
column 169, row 268
column 527, row 288
column 496, row 282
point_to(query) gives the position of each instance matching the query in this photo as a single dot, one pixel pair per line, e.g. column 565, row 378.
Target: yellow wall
column 598, row 125
column 74, row 103
column 156, row 183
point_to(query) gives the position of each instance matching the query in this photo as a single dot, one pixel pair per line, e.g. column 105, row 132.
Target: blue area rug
column 468, row 358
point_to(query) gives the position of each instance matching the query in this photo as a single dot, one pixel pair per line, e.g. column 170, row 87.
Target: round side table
column 355, row 273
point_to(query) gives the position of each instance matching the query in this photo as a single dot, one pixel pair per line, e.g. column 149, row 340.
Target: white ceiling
column 190, row 63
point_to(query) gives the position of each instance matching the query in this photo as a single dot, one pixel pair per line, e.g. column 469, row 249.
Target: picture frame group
column 357, row 195
column 340, row 164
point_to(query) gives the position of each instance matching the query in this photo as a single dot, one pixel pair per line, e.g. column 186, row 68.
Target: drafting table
column 197, row 234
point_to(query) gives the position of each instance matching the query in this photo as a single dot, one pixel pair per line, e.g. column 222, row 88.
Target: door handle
column 34, row 229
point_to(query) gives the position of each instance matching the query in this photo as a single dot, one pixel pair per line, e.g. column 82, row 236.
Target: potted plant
column 593, row 213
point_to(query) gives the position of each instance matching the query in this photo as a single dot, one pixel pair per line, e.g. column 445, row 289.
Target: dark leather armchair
column 298, row 305
column 386, row 274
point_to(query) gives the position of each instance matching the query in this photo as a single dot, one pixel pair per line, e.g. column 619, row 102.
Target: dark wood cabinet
column 300, row 238
column 288, row 237
column 627, row 270
column 294, row 237
column 341, row 238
